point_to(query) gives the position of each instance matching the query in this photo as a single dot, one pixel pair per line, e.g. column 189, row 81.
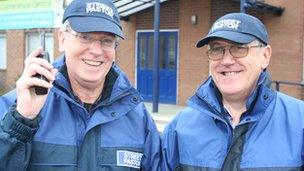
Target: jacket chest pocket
column 53, row 157
column 120, row 159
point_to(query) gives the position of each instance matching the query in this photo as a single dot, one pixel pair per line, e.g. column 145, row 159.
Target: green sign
column 25, row 14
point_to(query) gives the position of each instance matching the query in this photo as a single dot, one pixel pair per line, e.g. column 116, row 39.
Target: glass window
column 143, row 52
column 151, row 52
column 171, row 52
column 162, row 52
column 3, row 51
column 33, row 41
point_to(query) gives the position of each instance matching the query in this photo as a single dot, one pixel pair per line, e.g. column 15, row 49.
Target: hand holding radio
column 44, row 55
column 32, row 87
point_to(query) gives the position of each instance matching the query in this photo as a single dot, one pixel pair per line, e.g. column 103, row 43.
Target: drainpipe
column 156, row 58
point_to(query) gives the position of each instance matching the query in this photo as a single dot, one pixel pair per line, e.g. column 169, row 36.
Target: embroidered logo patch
column 99, row 7
column 226, row 23
column 129, row 158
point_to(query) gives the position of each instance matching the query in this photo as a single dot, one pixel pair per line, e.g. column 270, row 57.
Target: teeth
column 93, row 63
column 230, row 73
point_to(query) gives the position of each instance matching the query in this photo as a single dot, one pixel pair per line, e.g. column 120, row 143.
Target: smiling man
column 91, row 117
column 235, row 121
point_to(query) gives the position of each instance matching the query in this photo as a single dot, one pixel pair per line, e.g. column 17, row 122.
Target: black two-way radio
column 45, row 55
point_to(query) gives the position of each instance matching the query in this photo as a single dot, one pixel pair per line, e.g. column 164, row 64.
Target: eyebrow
column 92, row 35
column 216, row 43
column 213, row 44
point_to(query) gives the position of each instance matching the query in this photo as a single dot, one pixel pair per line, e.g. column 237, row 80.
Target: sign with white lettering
column 20, row 14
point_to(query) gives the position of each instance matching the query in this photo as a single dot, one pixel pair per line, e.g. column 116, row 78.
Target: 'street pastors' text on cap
column 93, row 16
column 236, row 27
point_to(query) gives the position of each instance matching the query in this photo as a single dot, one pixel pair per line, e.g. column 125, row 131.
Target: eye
column 86, row 38
column 217, row 49
column 239, row 47
column 108, row 41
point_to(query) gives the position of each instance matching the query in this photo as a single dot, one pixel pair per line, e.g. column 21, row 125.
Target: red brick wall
column 193, row 63
column 222, row 7
column 286, row 39
column 125, row 54
column 15, row 56
column 168, row 16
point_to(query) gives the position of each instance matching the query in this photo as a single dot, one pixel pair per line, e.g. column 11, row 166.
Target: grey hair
column 65, row 26
column 254, row 40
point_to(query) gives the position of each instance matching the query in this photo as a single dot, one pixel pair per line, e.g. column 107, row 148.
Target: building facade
column 182, row 66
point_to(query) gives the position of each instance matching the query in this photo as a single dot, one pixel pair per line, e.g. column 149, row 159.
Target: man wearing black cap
column 91, row 118
column 235, row 121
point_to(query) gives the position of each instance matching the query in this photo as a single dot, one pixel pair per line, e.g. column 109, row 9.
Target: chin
column 90, row 77
column 229, row 90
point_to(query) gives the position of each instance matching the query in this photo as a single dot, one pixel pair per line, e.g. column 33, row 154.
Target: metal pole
column 242, row 6
column 277, row 85
column 156, row 58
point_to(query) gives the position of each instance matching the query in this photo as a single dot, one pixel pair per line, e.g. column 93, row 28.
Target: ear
column 61, row 40
column 267, row 52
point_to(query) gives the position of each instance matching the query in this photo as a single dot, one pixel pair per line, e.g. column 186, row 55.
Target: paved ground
column 165, row 114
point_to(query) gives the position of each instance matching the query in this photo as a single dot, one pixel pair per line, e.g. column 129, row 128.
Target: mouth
column 230, row 73
column 92, row 63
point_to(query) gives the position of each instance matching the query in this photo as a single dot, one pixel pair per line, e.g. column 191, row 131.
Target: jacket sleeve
column 170, row 152
column 16, row 133
column 6, row 101
column 152, row 153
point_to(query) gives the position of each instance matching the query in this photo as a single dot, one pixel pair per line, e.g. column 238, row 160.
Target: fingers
column 34, row 66
column 28, row 102
column 27, row 83
column 32, row 58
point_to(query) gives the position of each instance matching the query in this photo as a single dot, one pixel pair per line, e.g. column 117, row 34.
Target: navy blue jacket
column 268, row 137
column 117, row 133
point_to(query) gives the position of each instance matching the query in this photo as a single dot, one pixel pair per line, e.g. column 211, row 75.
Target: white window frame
column 49, row 43
column 4, row 52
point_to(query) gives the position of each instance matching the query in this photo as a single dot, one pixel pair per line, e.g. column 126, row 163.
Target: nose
column 96, row 48
column 228, row 59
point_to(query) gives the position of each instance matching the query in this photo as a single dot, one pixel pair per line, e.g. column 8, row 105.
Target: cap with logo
column 93, row 16
column 236, row 27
